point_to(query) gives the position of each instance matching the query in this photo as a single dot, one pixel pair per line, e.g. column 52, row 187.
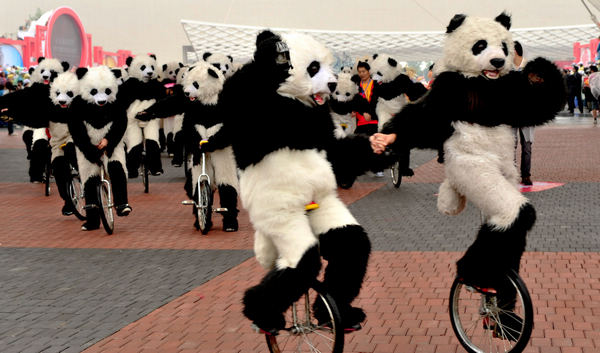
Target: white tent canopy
column 555, row 43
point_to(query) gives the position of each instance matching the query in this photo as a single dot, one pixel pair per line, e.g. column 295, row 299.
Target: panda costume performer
column 221, row 62
column 139, row 92
column 203, row 121
column 19, row 106
column 63, row 91
column 168, row 77
column 282, row 136
column 470, row 109
column 342, row 104
column 98, row 125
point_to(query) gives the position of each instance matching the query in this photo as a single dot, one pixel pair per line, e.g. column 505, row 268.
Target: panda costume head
column 478, row 46
column 181, row 72
column 346, row 89
column 47, row 70
column 142, row 67
column 311, row 79
column 346, row 70
column 221, row 62
column 98, row 85
column 123, row 75
column 169, row 71
column 385, row 68
column 64, row 89
column 203, row 82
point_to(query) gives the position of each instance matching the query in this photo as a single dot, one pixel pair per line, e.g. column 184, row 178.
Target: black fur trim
column 65, row 65
column 212, row 73
column 504, row 19
column 265, row 302
column 455, row 22
column 495, row 252
column 128, row 60
column 206, row 55
column 80, row 72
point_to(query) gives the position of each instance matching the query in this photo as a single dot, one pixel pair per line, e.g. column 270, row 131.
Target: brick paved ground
column 160, row 286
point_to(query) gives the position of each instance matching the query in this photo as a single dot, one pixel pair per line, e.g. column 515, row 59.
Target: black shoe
column 269, row 325
column 526, row 181
column 408, row 172
column 133, row 174
column 90, row 226
column 230, row 224
column 67, row 210
column 157, row 172
column 123, row 210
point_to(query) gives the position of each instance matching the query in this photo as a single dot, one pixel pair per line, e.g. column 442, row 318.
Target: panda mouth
column 319, row 99
column 493, row 74
column 46, row 81
column 64, row 105
column 192, row 98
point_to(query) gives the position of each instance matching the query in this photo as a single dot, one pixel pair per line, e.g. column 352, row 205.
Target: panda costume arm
column 400, row 85
column 22, row 111
column 80, row 135
column 169, row 106
column 117, row 130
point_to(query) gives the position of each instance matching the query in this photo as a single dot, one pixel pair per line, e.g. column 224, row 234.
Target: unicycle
column 203, row 198
column 396, row 174
column 75, row 190
column 105, row 202
column 144, row 166
column 305, row 333
column 47, row 173
column 483, row 324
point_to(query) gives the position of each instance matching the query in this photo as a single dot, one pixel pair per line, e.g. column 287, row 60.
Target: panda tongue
column 318, row 99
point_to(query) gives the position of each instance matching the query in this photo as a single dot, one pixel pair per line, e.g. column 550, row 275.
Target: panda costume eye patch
column 479, row 47
column 313, row 68
column 93, row 92
column 107, row 91
column 143, row 67
column 70, row 94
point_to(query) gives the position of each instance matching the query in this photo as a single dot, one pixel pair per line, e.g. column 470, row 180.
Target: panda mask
column 478, row 46
column 385, row 68
column 221, row 62
column 203, row 83
column 346, row 89
column 142, row 67
column 64, row 89
column 47, row 70
column 98, row 85
column 311, row 79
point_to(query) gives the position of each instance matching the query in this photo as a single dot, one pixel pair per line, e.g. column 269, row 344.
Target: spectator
column 595, row 89
column 574, row 90
column 9, row 123
column 524, row 134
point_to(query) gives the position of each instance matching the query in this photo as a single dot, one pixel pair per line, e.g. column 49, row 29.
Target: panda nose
column 187, row 94
column 498, row 63
column 62, row 102
column 332, row 86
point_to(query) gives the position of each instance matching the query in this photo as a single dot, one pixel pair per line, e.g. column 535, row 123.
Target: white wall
column 153, row 25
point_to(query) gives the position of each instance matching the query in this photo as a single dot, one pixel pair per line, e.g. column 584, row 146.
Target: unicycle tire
column 75, row 190
column 48, row 172
column 476, row 317
column 304, row 333
column 204, row 206
column 145, row 173
column 107, row 215
column 396, row 174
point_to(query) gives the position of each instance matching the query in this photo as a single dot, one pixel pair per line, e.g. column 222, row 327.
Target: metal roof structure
column 555, row 43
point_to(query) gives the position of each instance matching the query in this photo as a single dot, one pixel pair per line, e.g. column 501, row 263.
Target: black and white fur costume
column 202, row 121
column 221, row 61
column 284, row 166
column 63, row 91
column 34, row 116
column 168, row 75
column 470, row 109
column 139, row 92
column 97, row 116
column 342, row 105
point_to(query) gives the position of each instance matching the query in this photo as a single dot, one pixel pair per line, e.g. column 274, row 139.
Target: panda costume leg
column 346, row 247
column 40, row 154
column 133, row 141
column 168, row 124
column 162, row 138
column 151, row 135
column 118, row 179
column 90, row 179
column 178, row 156
column 62, row 176
column 225, row 168
column 28, row 139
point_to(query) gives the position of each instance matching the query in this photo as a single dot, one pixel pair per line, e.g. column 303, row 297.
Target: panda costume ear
column 80, row 72
column 206, row 55
column 116, row 72
column 31, row 69
column 504, row 19
column 152, row 56
column 455, row 22
column 392, row 62
column 180, row 65
column 65, row 65
column 177, row 71
column 375, row 56
column 129, row 60
column 40, row 59
column 230, row 58
column 212, row 73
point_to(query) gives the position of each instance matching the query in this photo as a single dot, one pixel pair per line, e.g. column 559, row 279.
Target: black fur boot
column 347, row 250
column 170, row 144
column 92, row 214
column 134, row 160
column 495, row 252
column 28, row 140
column 178, row 156
column 62, row 177
column 228, row 196
column 153, row 157
column 119, row 188
column 162, row 139
column 266, row 302
column 40, row 155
